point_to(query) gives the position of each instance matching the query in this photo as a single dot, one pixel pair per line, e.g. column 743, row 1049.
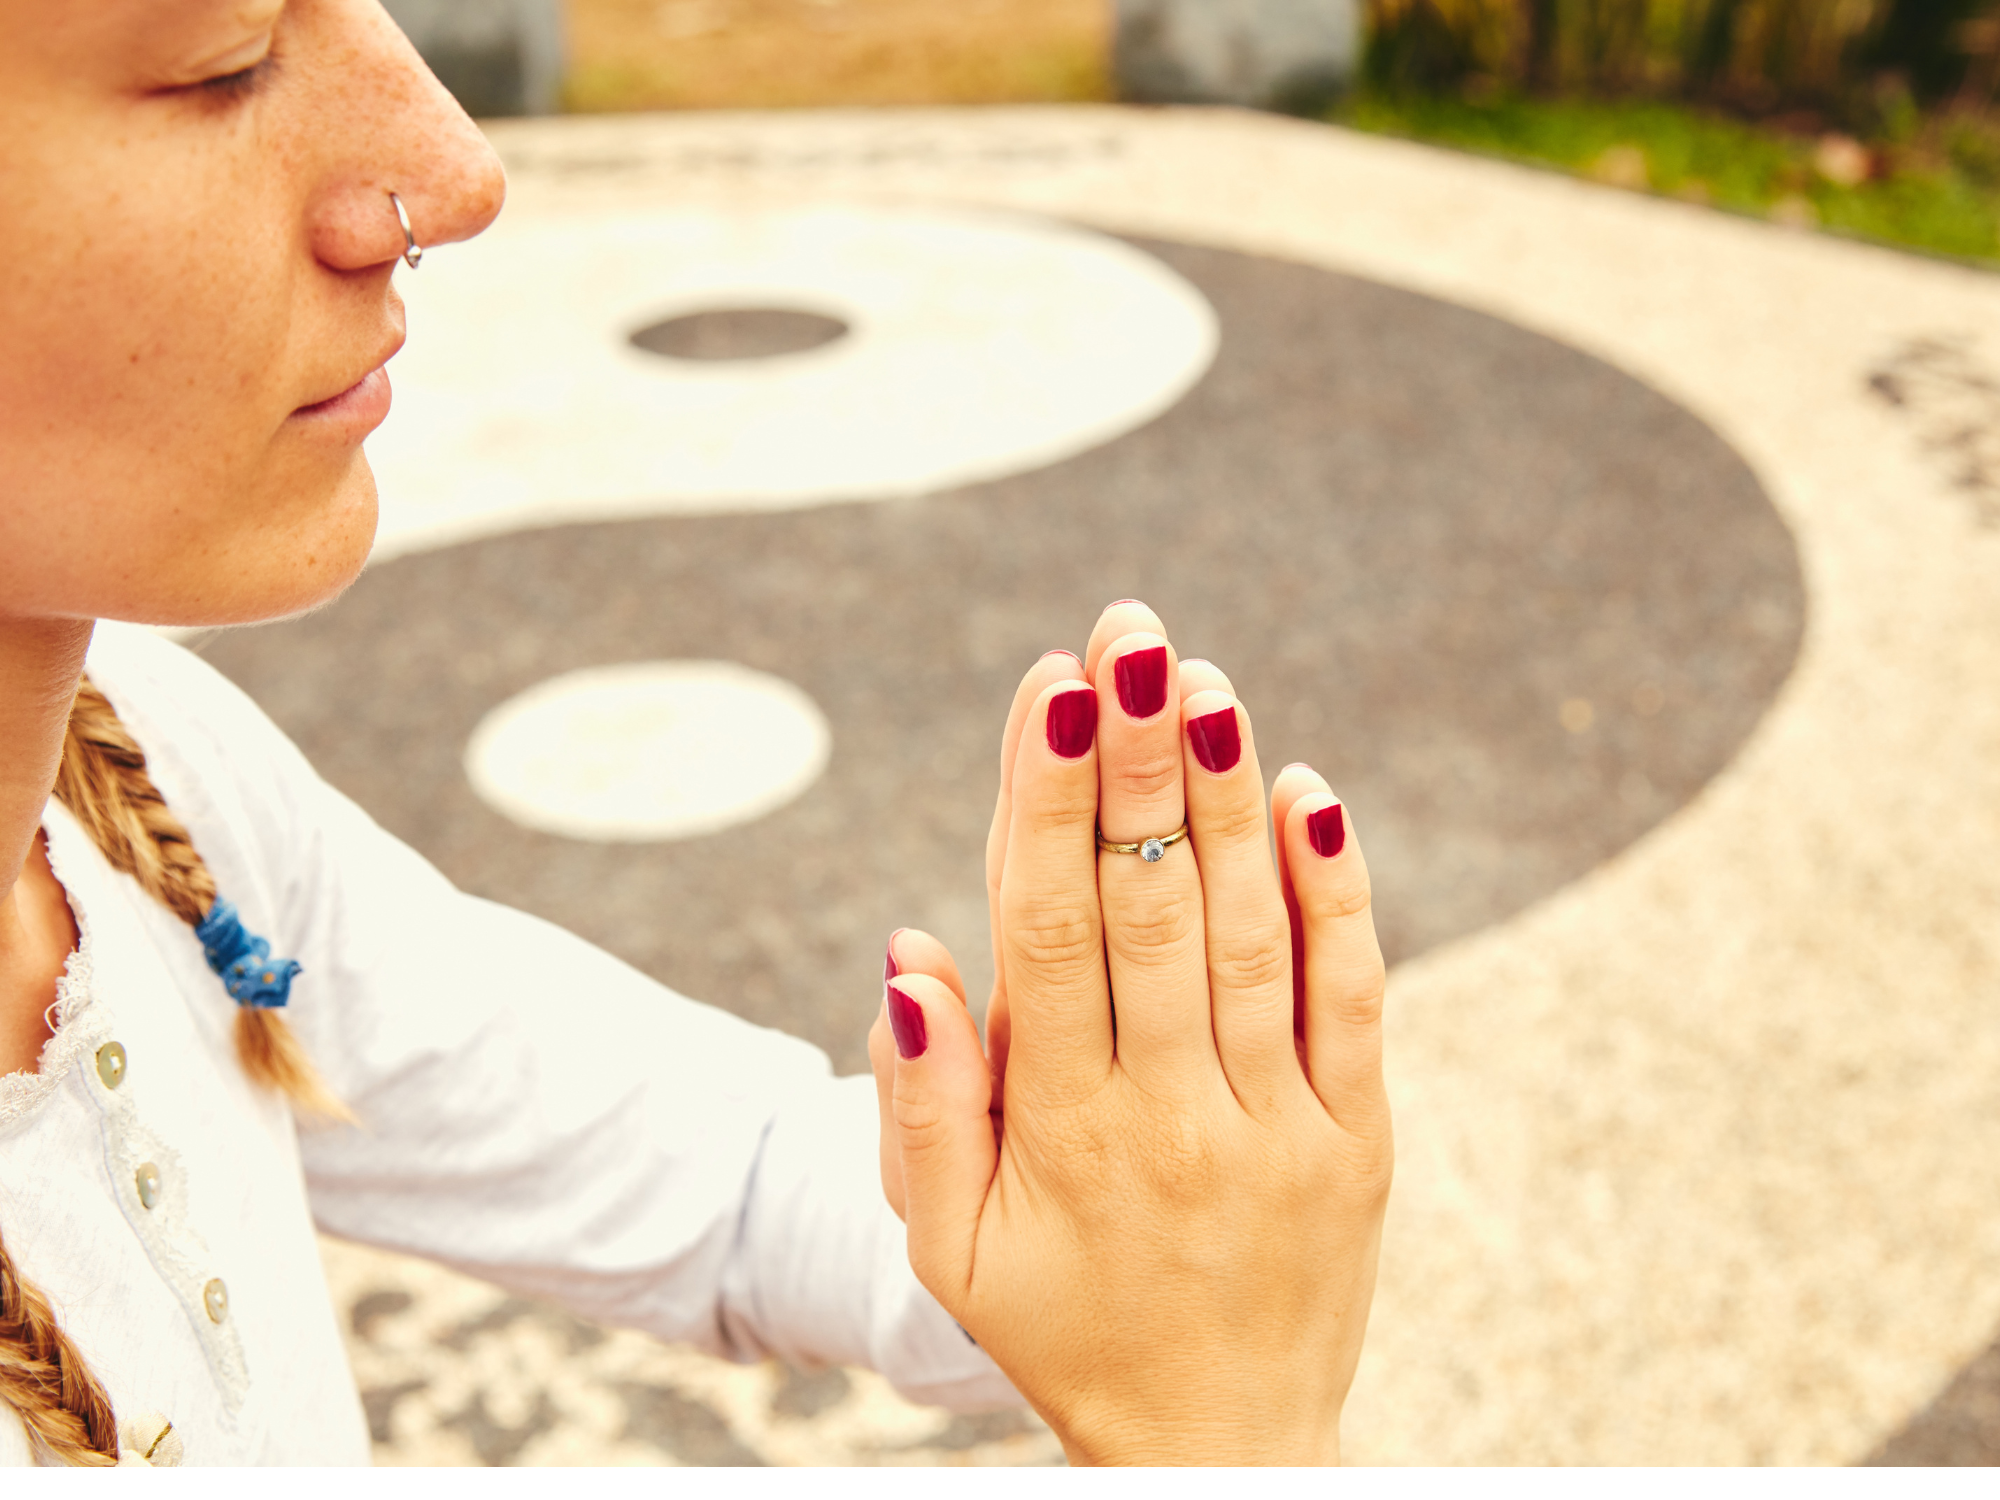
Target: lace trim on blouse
column 21, row 1094
column 132, row 1151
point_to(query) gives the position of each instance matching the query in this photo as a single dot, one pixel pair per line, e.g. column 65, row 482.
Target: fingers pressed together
column 1206, row 963
column 1182, row 1072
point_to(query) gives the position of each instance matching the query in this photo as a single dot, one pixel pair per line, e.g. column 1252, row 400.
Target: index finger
column 1055, row 666
column 1052, row 930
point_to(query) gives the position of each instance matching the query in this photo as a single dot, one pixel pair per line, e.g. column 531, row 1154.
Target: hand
column 1167, row 1234
column 914, row 952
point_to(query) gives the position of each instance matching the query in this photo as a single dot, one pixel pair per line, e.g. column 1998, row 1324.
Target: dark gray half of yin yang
column 1409, row 532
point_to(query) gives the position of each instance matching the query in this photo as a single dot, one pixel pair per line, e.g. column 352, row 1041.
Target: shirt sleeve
column 533, row 1111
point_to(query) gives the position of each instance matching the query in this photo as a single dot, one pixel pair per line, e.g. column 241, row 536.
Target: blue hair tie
column 243, row 959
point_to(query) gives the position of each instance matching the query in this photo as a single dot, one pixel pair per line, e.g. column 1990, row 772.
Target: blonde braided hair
column 44, row 1378
column 104, row 783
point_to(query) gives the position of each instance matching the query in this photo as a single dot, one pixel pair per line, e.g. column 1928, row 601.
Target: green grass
column 1937, row 190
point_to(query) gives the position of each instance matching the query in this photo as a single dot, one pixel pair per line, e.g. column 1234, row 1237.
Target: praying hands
column 1156, row 1195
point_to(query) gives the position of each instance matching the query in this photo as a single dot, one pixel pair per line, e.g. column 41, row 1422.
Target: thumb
column 942, row 1093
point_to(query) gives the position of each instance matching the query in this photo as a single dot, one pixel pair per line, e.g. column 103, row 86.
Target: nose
column 379, row 123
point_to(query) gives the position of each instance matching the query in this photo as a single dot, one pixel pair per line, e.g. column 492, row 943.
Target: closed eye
column 241, row 84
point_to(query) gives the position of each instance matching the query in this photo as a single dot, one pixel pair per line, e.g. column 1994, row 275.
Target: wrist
column 1269, row 1440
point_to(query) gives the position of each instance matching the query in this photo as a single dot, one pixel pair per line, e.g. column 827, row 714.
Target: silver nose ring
column 412, row 251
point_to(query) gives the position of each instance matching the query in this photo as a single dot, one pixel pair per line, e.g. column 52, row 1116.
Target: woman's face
column 196, row 242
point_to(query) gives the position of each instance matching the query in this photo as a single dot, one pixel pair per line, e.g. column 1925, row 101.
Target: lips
column 356, row 411
column 363, row 389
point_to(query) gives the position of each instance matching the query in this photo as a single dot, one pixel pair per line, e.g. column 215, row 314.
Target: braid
column 104, row 783
column 44, row 1378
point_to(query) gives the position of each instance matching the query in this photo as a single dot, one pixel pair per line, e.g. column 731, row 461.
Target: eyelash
column 231, row 87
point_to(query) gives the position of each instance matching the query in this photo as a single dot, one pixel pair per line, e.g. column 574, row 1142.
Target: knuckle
column 1346, row 901
column 1261, row 961
column 1162, row 925
column 1355, row 989
column 1058, row 809
column 1362, row 1009
column 1145, row 776
column 920, row 1122
column 1236, row 822
column 1364, row 1004
column 1050, row 933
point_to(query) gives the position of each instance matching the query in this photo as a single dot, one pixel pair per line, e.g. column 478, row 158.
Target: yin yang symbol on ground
column 1516, row 605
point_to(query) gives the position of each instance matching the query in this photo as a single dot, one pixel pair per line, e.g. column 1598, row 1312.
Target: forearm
column 821, row 1274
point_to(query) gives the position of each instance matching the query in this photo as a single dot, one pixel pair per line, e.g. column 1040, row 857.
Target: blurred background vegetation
column 1872, row 117
column 763, row 54
column 1869, row 117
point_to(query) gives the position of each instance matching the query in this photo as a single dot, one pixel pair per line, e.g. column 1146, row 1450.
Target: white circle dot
column 648, row 751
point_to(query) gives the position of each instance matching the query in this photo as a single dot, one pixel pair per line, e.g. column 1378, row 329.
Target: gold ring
column 1152, row 851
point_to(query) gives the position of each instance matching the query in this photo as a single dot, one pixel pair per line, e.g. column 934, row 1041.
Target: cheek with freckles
column 162, row 334
column 154, row 469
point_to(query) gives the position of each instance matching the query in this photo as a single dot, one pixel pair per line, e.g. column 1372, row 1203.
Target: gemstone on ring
column 1152, row 851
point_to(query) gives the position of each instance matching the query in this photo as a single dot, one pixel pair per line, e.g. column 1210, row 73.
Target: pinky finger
column 940, row 1105
column 1343, row 972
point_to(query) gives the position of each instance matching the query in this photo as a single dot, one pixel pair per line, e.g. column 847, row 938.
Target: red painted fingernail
column 890, row 968
column 1217, row 740
column 1059, row 651
column 1327, row 829
column 1116, row 602
column 1073, row 722
column 906, row 1019
column 1142, row 681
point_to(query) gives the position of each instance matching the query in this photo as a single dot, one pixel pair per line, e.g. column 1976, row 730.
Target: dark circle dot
column 723, row 333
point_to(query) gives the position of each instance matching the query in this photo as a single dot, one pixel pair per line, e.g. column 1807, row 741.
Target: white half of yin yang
column 981, row 345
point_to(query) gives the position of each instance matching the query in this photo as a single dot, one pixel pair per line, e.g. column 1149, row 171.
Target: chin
column 266, row 577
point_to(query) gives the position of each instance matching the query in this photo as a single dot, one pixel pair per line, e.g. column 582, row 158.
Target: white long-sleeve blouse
column 532, row 1111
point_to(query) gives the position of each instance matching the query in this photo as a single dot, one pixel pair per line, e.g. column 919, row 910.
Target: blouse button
column 153, row 1438
column 111, row 1064
column 148, row 1180
column 215, row 1297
